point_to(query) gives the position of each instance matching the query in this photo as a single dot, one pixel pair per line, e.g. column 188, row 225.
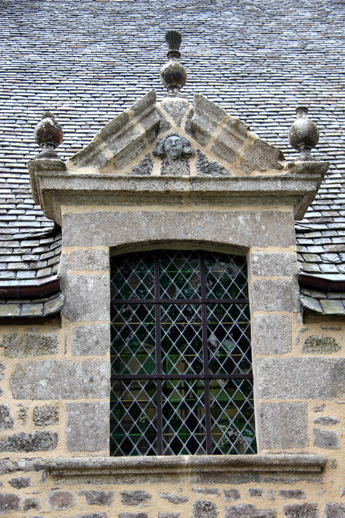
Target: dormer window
column 181, row 355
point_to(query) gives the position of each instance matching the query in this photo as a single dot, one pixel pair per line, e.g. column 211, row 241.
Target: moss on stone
column 29, row 345
column 320, row 345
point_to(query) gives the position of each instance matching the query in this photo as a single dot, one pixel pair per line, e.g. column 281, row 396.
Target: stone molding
column 53, row 187
column 186, row 467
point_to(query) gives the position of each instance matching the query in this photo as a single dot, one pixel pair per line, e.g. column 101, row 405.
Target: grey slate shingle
column 87, row 61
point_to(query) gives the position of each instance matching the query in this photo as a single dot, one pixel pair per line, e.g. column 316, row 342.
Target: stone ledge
column 184, row 464
column 54, row 189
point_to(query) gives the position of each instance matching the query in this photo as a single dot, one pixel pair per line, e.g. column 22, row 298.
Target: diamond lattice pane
column 133, row 418
column 226, row 276
column 133, row 276
column 228, row 337
column 133, row 339
column 232, row 417
column 183, row 417
column 179, row 275
column 181, row 339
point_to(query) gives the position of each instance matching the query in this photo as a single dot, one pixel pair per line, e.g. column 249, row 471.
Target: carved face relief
column 173, row 147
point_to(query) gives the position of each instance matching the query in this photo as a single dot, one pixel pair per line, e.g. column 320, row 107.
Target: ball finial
column 48, row 135
column 173, row 74
column 303, row 134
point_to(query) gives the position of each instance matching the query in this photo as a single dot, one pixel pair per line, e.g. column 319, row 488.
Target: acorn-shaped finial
column 303, row 134
column 48, row 135
column 173, row 74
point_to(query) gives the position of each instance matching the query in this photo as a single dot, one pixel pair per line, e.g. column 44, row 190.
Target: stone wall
column 55, row 390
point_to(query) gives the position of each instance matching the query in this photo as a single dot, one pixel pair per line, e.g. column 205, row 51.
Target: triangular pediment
column 211, row 142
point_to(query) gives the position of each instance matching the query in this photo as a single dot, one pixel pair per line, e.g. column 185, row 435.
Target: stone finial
column 303, row 134
column 173, row 74
column 48, row 135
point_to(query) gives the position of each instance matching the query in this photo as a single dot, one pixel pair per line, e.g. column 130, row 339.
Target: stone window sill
column 189, row 469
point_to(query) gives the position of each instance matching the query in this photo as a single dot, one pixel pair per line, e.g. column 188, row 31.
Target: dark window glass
column 180, row 354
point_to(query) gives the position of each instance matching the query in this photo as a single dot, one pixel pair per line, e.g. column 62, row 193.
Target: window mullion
column 158, row 357
column 205, row 354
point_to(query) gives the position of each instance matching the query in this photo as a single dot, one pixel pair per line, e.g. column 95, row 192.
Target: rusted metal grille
column 181, row 356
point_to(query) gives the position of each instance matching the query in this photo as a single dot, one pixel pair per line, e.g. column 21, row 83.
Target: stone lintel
column 182, row 465
column 54, row 188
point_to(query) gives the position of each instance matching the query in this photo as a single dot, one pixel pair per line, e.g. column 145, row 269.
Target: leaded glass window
column 180, row 354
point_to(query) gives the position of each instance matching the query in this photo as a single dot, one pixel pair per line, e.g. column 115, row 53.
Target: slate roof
column 88, row 60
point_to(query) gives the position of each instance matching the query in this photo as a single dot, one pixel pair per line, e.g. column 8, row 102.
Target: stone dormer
column 171, row 175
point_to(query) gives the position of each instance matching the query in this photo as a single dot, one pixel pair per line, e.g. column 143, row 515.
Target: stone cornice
column 186, row 468
column 53, row 185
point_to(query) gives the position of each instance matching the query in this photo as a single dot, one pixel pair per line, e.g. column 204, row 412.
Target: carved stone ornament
column 174, row 150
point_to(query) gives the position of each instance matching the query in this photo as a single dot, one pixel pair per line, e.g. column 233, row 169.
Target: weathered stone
column 260, row 156
column 334, row 463
column 6, row 419
column 326, row 439
column 178, row 167
column 230, row 139
column 93, row 155
column 29, row 345
column 301, row 511
column 231, row 495
column 288, row 494
column 320, row 345
column 271, row 334
column 35, row 441
column 91, row 515
column 87, row 260
column 274, row 264
column 334, row 511
column 90, row 340
column 248, row 229
column 9, row 502
column 87, row 297
column 248, row 511
column 20, row 482
column 176, row 108
column 300, row 378
column 326, row 420
column 174, row 499
column 206, row 167
column 255, row 491
column 60, row 500
column 135, row 497
column 22, row 414
column 204, row 509
column 47, row 380
column 169, row 515
column 144, row 168
column 207, row 491
column 274, row 295
column 270, row 494
column 31, row 503
column 87, row 426
column 342, row 491
column 98, row 497
column 134, row 515
column 46, row 415
column 283, row 425
column 207, row 117
column 7, row 466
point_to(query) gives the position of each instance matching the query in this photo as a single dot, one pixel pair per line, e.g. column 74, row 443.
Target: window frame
column 159, row 376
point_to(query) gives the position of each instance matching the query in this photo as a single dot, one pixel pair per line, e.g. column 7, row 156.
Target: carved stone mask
column 173, row 147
